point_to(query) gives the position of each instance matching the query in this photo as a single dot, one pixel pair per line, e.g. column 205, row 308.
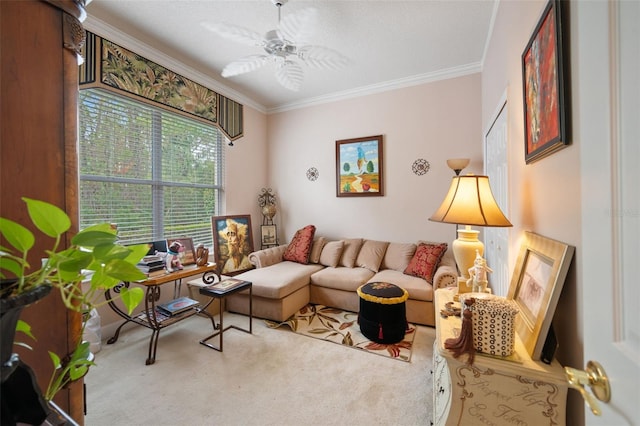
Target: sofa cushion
column 341, row 278
column 331, row 253
column 299, row 249
column 417, row 287
column 350, row 252
column 371, row 254
column 316, row 249
column 279, row 280
column 398, row 256
column 425, row 261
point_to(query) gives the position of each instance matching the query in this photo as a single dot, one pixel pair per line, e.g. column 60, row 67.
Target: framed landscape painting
column 537, row 281
column 544, row 87
column 233, row 242
column 359, row 167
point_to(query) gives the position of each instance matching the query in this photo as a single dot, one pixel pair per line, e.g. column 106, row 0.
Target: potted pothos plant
column 95, row 258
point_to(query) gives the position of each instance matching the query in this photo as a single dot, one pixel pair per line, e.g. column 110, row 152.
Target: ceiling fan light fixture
column 281, row 45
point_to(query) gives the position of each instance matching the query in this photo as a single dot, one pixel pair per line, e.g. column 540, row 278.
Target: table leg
column 221, row 328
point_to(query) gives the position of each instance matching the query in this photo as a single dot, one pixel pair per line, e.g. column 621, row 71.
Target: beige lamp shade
column 469, row 202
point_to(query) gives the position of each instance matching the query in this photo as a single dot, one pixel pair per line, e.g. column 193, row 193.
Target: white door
column 607, row 127
column 496, row 240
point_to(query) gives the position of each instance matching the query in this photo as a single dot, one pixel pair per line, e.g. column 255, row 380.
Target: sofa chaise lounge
column 333, row 270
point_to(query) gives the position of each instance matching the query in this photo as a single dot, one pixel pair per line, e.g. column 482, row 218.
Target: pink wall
column 545, row 195
column 433, row 121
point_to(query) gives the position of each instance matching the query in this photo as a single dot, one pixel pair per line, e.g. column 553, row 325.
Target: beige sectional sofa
column 334, row 272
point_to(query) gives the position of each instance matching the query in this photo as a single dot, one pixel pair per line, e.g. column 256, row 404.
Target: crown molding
column 382, row 87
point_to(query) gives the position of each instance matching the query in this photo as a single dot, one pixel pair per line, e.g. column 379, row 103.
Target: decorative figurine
column 173, row 260
column 478, row 275
column 202, row 255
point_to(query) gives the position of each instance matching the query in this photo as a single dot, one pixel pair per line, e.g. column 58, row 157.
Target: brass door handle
column 595, row 377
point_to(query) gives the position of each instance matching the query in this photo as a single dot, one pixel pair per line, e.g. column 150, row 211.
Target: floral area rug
column 338, row 326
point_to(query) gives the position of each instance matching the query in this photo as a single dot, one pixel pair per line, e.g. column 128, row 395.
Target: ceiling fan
column 283, row 47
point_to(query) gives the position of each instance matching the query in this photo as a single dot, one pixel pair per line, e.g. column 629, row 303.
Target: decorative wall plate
column 420, row 166
column 312, row 174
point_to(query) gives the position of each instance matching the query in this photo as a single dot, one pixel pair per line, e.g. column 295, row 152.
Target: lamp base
column 464, row 251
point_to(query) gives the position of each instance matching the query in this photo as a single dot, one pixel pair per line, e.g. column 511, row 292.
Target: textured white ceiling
column 389, row 43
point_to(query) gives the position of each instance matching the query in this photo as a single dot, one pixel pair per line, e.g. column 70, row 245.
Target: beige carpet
column 273, row 377
column 341, row 327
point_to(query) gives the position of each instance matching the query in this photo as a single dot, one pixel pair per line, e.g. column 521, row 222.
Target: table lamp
column 469, row 202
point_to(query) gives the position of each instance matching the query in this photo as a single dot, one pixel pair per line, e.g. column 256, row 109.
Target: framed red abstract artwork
column 544, row 87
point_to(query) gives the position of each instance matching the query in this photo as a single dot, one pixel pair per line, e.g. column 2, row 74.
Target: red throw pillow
column 299, row 249
column 425, row 261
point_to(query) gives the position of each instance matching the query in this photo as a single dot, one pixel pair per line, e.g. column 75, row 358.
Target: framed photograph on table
column 543, row 85
column 359, row 167
column 185, row 250
column 268, row 235
column 537, row 281
column 233, row 242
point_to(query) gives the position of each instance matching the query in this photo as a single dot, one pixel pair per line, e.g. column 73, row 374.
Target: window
column 153, row 173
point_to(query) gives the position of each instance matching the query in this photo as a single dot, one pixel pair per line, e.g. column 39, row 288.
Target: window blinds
column 153, row 173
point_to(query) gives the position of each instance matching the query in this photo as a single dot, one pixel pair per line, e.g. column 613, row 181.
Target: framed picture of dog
column 233, row 242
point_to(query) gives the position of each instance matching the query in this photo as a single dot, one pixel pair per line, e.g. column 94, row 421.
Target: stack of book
column 177, row 306
column 152, row 266
column 160, row 316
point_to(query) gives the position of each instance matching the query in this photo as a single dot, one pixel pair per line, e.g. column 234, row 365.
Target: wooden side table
column 220, row 294
column 494, row 390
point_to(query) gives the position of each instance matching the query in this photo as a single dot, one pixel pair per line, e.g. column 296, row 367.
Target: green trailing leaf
column 124, row 271
column 131, row 298
column 49, row 219
column 17, row 235
column 75, row 263
column 137, row 252
column 11, row 265
column 55, row 359
column 90, row 239
column 24, row 327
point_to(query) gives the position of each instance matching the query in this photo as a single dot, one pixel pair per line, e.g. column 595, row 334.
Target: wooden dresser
column 494, row 390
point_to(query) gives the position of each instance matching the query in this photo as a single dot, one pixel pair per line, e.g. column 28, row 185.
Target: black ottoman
column 383, row 314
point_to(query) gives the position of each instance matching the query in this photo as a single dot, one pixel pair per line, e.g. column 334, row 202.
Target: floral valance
column 113, row 67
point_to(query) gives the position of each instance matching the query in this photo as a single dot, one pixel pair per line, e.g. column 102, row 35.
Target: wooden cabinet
column 38, row 139
column 494, row 390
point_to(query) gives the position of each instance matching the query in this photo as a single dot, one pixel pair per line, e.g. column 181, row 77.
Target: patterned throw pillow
column 425, row 261
column 299, row 249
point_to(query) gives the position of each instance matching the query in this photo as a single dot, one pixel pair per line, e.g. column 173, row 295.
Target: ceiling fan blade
column 245, row 65
column 298, row 27
column 322, row 57
column 290, row 75
column 235, row 33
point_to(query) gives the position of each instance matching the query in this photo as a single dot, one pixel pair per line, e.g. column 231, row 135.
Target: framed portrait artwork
column 537, row 281
column 359, row 167
column 187, row 254
column 233, row 242
column 268, row 235
column 544, row 88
